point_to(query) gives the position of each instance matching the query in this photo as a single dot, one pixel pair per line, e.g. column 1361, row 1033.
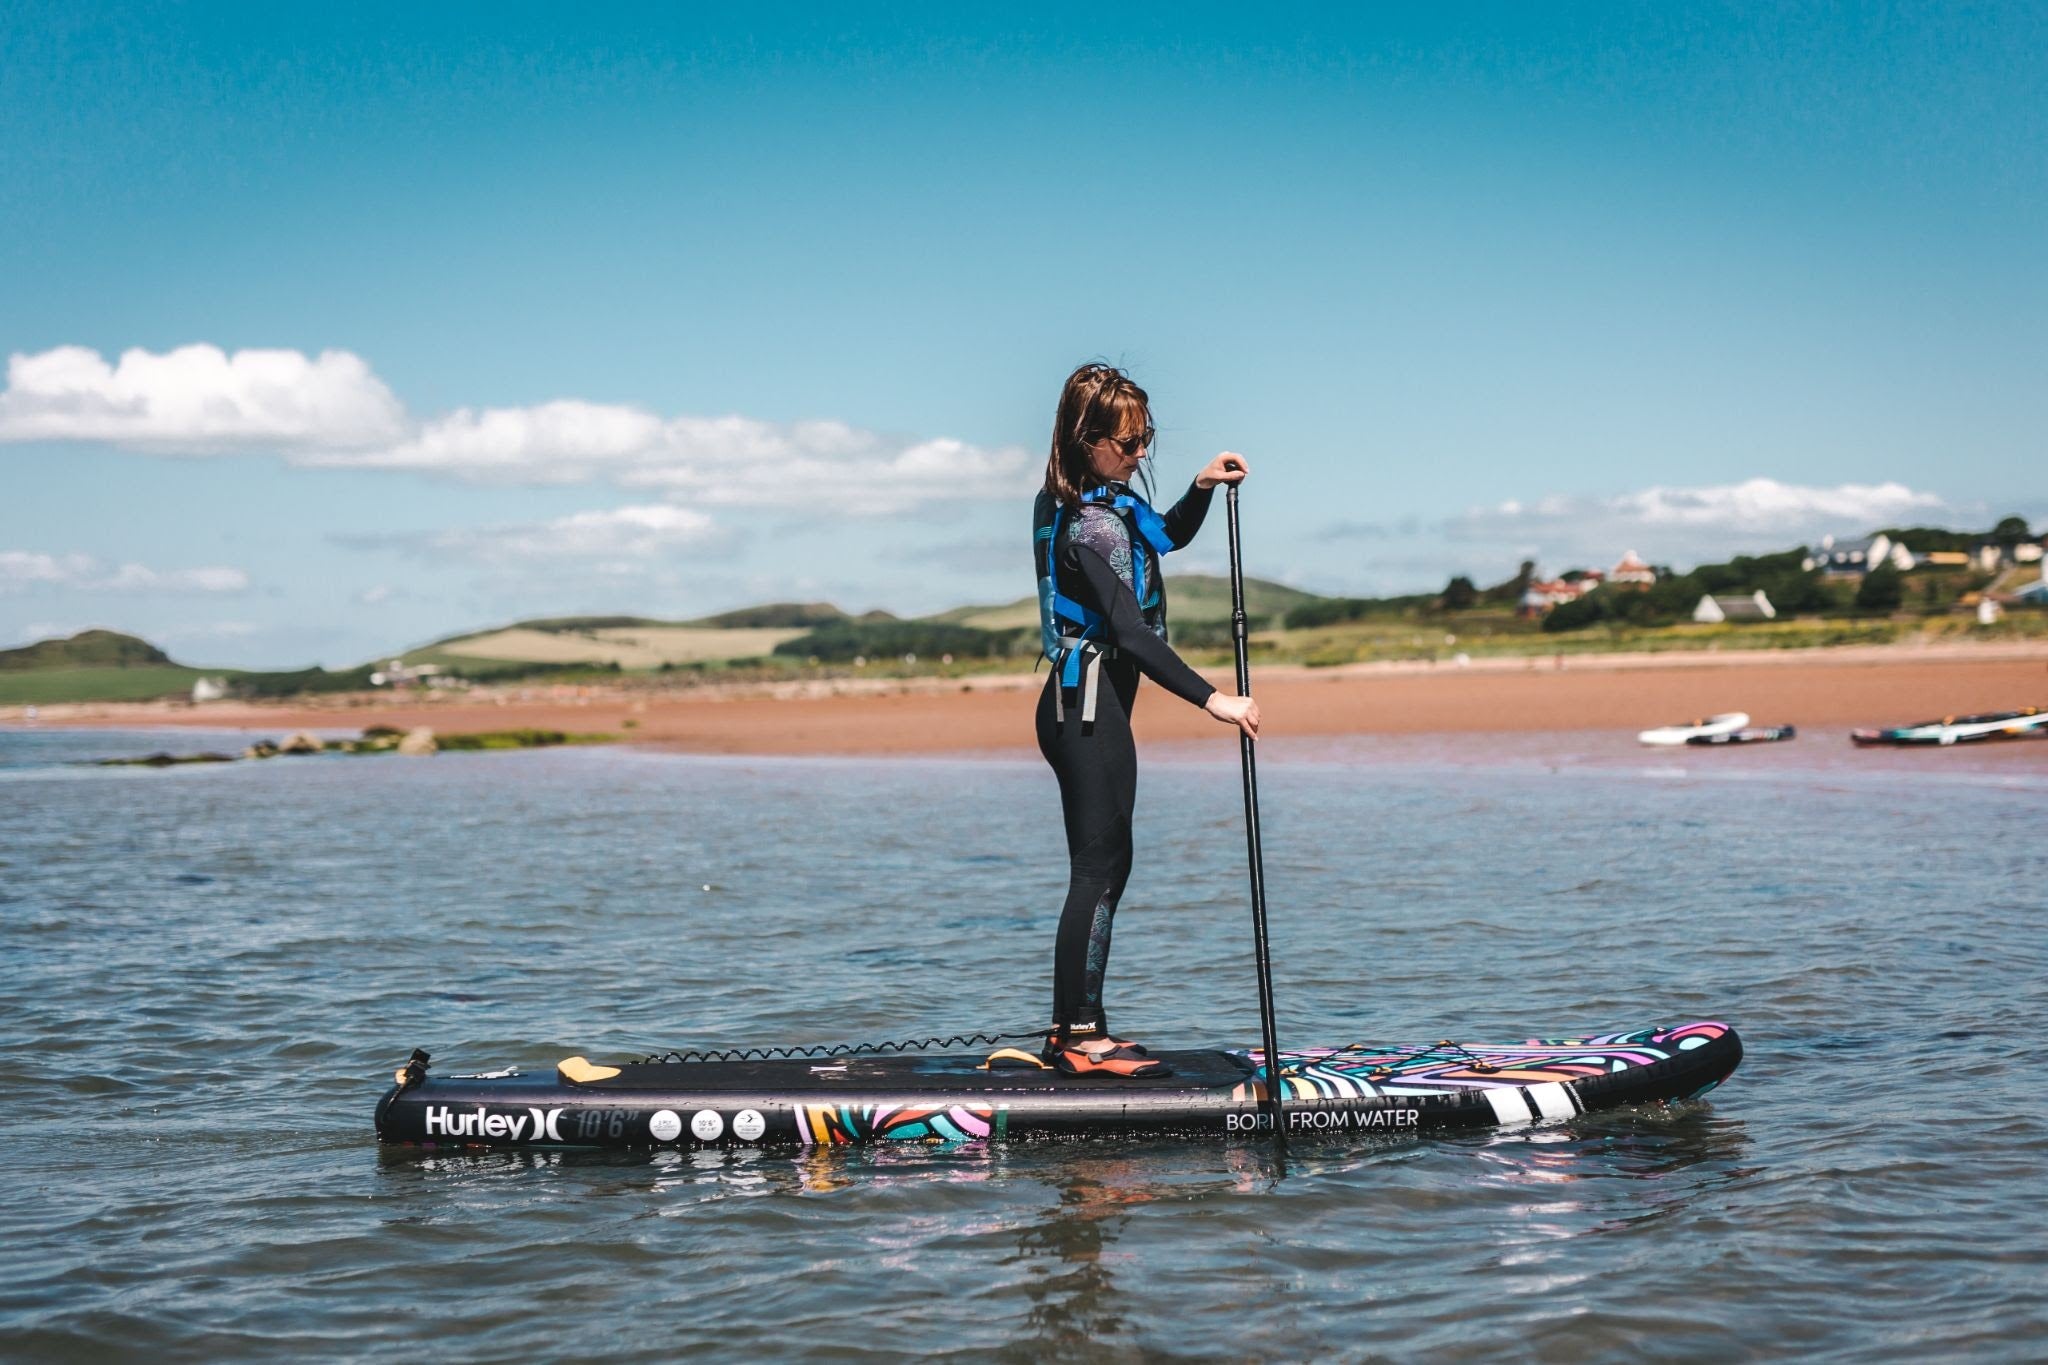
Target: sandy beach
column 1817, row 690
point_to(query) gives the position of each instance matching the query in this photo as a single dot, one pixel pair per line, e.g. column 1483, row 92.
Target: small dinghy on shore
column 1755, row 734
column 1726, row 724
column 2031, row 723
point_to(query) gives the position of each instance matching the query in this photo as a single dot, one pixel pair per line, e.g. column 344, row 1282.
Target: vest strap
column 1083, row 661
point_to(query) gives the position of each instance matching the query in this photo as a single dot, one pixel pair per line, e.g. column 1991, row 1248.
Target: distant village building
column 1857, row 556
column 1991, row 555
column 1714, row 611
column 398, row 673
column 1541, row 595
column 209, row 689
column 1631, row 570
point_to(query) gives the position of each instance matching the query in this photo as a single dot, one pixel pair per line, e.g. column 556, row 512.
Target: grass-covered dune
column 93, row 665
column 107, row 666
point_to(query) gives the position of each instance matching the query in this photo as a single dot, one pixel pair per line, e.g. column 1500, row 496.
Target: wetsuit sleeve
column 1185, row 517
column 1107, row 594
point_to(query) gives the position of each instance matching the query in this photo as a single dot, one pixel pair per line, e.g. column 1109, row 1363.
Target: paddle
column 1274, row 1082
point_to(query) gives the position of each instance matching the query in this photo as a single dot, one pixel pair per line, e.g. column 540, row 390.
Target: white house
column 1857, row 556
column 398, row 673
column 1713, row 611
column 1991, row 555
column 1632, row 570
column 209, row 689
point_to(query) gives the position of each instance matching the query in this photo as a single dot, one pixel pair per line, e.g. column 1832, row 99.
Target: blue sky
column 333, row 332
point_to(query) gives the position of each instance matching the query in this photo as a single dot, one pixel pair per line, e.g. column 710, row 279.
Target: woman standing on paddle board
column 1097, row 544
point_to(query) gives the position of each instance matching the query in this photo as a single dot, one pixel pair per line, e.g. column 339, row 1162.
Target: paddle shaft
column 1254, row 855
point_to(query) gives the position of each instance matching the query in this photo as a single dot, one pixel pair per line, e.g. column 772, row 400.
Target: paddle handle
column 1255, row 856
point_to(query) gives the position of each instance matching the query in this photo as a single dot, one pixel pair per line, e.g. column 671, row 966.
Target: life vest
column 1072, row 635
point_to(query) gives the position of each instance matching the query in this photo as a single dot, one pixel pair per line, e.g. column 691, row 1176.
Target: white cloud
column 1688, row 525
column 21, row 570
column 826, row 465
column 560, row 442
column 198, row 400
column 619, row 537
column 730, row 461
column 331, row 411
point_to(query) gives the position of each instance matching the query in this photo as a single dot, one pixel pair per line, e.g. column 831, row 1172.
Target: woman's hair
column 1098, row 402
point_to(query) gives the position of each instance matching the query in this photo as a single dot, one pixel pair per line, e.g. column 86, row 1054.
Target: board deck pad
column 950, row 1071
column 950, row 1097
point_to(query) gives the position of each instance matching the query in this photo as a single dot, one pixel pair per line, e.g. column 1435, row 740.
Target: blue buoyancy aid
column 1070, row 634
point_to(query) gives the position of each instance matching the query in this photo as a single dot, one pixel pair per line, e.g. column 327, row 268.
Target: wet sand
column 1817, row 690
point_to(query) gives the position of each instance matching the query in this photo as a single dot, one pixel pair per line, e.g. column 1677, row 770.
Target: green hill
column 773, row 615
column 577, row 625
column 87, row 649
column 94, row 665
column 1192, row 599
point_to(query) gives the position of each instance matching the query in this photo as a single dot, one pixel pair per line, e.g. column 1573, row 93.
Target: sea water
column 209, row 973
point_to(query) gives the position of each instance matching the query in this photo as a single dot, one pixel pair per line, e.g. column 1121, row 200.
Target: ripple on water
column 209, row 970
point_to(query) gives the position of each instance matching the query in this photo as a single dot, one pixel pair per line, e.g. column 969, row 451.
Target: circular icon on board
column 748, row 1125
column 706, row 1124
column 666, row 1125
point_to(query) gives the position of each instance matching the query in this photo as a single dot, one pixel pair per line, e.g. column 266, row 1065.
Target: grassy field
column 45, row 686
column 640, row 647
column 599, row 650
column 1498, row 632
column 1192, row 599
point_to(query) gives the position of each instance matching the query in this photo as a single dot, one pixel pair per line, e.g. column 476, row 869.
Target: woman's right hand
column 1242, row 712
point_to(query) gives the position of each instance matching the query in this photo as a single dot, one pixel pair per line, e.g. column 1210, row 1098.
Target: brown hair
column 1098, row 402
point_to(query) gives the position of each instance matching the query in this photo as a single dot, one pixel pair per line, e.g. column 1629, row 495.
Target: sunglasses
column 1131, row 445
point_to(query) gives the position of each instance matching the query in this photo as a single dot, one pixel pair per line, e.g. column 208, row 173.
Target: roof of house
column 1843, row 548
column 1741, row 605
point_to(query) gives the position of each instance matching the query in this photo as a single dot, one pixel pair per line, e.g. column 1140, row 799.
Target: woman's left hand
column 1229, row 467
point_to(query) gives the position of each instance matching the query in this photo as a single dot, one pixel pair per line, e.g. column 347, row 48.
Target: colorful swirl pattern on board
column 827, row 1124
column 1364, row 1071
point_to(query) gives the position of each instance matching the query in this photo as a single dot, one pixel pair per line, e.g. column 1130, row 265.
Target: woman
column 1102, row 612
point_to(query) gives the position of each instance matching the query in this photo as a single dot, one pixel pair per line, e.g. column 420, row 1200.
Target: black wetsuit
column 1097, row 765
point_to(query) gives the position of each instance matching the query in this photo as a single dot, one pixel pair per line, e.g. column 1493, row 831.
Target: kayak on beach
column 840, row 1097
column 2030, row 723
column 1725, row 724
column 1755, row 734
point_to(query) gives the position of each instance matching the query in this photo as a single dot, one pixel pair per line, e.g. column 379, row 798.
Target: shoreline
column 1817, row 690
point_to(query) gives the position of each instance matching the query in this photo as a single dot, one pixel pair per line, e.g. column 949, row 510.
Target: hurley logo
column 534, row 1125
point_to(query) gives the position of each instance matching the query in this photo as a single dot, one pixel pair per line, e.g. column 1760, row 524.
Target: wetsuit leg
column 1098, row 777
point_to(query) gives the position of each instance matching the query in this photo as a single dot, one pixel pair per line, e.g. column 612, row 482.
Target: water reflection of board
column 1362, row 1088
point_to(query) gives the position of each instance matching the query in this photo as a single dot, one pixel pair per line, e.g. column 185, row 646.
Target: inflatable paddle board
column 1725, row 724
column 1755, row 734
column 1366, row 1089
column 2031, row 723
